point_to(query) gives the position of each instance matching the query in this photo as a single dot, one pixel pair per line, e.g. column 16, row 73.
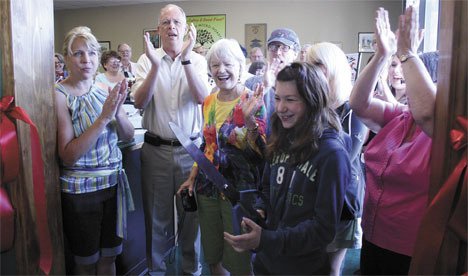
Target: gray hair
column 122, row 44
column 169, row 6
column 226, row 48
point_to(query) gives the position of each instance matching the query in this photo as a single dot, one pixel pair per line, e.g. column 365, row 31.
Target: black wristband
column 186, row 62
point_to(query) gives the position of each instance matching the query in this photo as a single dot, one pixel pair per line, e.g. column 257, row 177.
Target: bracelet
column 186, row 62
column 253, row 129
column 405, row 57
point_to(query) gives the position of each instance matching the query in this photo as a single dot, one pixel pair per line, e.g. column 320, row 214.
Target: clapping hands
column 385, row 38
column 410, row 36
column 252, row 104
column 114, row 101
column 189, row 42
column 150, row 51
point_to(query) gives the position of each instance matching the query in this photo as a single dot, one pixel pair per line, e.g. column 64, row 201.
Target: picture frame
column 154, row 38
column 210, row 28
column 256, row 36
column 354, row 60
column 365, row 41
column 105, row 45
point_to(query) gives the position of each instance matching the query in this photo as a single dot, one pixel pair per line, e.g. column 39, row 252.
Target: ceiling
column 79, row 4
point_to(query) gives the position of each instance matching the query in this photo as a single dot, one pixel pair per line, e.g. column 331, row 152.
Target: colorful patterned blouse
column 226, row 144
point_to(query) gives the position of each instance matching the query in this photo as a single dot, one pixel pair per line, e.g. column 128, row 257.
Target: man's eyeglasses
column 167, row 22
column 124, row 51
column 274, row 47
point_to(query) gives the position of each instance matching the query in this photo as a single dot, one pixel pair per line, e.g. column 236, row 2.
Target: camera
column 188, row 201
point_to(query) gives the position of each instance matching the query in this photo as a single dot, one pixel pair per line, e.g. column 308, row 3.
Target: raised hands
column 189, row 42
column 150, row 51
column 271, row 71
column 252, row 104
column 410, row 36
column 385, row 38
column 114, row 101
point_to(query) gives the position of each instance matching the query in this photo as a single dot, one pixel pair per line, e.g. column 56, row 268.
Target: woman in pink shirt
column 398, row 158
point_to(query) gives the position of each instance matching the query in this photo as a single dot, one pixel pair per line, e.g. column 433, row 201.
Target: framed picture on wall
column 365, row 41
column 154, row 37
column 354, row 60
column 105, row 45
column 210, row 28
column 255, row 36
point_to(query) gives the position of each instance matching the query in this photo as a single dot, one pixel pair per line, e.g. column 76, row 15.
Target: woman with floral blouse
column 234, row 140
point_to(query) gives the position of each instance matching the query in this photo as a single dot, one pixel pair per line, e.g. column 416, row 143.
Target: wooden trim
column 28, row 72
column 451, row 101
column 451, row 88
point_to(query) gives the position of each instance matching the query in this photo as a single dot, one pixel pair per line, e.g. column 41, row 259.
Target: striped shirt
column 98, row 168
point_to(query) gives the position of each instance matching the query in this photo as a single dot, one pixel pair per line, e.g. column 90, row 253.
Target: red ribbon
column 8, row 113
column 8, row 144
column 7, row 221
column 442, row 211
column 458, row 137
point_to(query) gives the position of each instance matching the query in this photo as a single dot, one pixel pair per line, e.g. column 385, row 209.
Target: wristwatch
column 405, row 57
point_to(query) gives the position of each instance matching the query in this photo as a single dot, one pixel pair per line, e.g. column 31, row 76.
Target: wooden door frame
column 27, row 46
column 451, row 101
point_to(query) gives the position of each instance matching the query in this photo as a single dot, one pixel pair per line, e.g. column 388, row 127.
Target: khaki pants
column 164, row 169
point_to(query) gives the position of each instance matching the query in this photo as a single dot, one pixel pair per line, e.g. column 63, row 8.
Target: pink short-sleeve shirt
column 397, row 183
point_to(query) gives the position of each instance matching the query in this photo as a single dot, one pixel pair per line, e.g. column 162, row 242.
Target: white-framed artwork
column 365, row 42
column 354, row 60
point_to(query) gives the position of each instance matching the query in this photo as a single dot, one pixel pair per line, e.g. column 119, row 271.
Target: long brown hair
column 303, row 140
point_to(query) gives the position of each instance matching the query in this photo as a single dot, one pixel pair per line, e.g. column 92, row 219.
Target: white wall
column 313, row 20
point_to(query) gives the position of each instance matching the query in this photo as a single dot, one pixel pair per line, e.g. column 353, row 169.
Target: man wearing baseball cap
column 283, row 47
